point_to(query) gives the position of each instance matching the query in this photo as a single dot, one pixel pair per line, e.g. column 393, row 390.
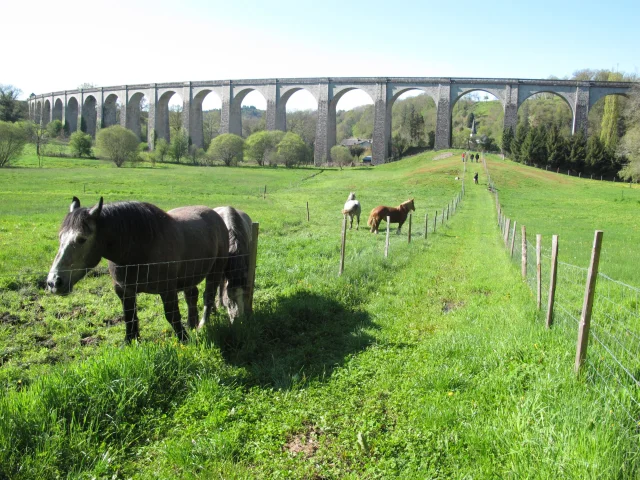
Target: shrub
column 13, row 138
column 341, row 156
column 226, row 148
column 260, row 145
column 54, row 129
column 292, row 150
column 119, row 144
column 196, row 154
column 161, row 150
column 179, row 145
column 80, row 144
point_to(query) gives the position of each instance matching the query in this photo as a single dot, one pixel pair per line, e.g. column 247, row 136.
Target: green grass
column 432, row 363
column 573, row 208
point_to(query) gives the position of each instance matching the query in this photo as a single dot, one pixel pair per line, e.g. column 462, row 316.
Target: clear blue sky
column 59, row 45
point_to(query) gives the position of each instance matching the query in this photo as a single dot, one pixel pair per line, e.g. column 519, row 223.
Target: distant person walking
column 475, row 178
column 462, row 157
column 477, row 158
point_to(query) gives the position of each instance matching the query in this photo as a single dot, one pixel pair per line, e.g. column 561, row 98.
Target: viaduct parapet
column 95, row 108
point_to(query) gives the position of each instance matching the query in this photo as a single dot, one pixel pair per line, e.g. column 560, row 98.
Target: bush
column 161, row 150
column 292, row 150
column 80, row 144
column 260, row 145
column 119, row 144
column 226, row 148
column 13, row 138
column 55, row 129
column 196, row 155
column 179, row 145
column 341, row 156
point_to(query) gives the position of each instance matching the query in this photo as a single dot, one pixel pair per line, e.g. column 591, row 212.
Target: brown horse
column 397, row 215
column 149, row 251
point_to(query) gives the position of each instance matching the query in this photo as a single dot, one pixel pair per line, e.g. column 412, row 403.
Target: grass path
column 460, row 380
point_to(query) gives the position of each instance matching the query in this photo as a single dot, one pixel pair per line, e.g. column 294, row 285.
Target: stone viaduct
column 95, row 108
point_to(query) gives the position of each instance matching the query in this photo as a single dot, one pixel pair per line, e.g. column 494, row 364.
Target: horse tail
column 372, row 218
column 345, row 212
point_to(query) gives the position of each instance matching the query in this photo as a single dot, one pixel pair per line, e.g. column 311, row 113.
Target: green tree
column 119, row 144
column 179, row 147
column 54, row 129
column 11, row 109
column 80, row 144
column 196, row 154
column 341, row 156
column 610, row 118
column 557, row 151
column 533, row 148
column 521, row 133
column 226, row 148
column 470, row 119
column 431, row 142
column 578, row 151
column 161, row 149
column 39, row 136
column 292, row 150
column 13, row 138
column 596, row 158
column 356, row 150
column 507, row 140
column 260, row 145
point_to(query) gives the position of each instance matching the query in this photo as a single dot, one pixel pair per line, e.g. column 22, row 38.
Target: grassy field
column 573, row 208
column 432, row 363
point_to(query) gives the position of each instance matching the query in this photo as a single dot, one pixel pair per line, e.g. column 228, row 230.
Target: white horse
column 353, row 209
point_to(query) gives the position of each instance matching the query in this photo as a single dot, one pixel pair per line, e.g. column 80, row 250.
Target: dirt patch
column 88, row 341
column 9, row 318
column 443, row 155
column 450, row 305
column 305, row 442
column 46, row 342
column 110, row 322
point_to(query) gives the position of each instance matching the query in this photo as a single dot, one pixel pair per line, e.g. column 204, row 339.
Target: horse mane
column 239, row 244
column 139, row 220
column 405, row 205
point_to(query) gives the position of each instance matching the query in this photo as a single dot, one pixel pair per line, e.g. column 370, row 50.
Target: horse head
column 409, row 206
column 78, row 251
column 352, row 196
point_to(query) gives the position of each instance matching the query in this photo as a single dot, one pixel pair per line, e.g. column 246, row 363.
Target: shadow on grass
column 293, row 339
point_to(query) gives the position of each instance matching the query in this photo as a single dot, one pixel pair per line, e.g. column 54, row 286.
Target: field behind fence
column 609, row 358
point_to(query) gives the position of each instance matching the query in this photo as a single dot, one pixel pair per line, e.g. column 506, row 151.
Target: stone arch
column 163, row 125
column 565, row 125
column 332, row 133
column 303, row 124
column 136, row 119
column 430, row 122
column 71, row 115
column 57, row 110
column 235, row 120
column 460, row 133
column 111, row 110
column 46, row 112
column 203, row 132
column 89, row 115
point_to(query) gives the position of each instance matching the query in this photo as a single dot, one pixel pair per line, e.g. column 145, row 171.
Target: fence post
column 552, row 282
column 513, row 237
column 307, row 211
column 264, row 195
column 342, row 244
column 506, row 232
column 386, row 243
column 409, row 232
column 539, row 270
column 253, row 257
column 524, row 252
column 426, row 224
column 585, row 318
column 435, row 221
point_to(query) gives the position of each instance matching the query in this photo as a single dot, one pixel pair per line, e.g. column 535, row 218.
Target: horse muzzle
column 57, row 285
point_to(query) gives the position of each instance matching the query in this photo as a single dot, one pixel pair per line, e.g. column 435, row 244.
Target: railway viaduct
column 94, row 108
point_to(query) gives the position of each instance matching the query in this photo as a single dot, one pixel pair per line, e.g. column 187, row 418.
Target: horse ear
column 75, row 204
column 95, row 211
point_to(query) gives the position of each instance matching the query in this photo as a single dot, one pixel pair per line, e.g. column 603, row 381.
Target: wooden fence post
column 264, row 195
column 426, row 224
column 386, row 243
column 342, row 244
column 435, row 221
column 524, row 252
column 409, row 232
column 552, row 281
column 539, row 270
column 587, row 306
column 253, row 257
column 513, row 237
column 307, row 211
column 506, row 232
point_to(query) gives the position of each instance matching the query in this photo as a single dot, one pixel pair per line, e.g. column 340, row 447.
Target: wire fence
column 612, row 363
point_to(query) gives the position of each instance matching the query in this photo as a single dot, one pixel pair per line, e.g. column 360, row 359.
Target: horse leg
column 172, row 313
column 358, row 224
column 191, row 296
column 130, row 309
column 213, row 281
column 400, row 223
column 351, row 224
